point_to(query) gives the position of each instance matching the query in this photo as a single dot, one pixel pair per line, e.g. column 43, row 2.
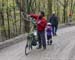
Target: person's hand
column 28, row 15
column 38, row 22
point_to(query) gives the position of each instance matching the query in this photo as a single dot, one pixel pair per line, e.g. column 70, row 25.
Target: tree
column 2, row 24
column 49, row 7
column 25, row 6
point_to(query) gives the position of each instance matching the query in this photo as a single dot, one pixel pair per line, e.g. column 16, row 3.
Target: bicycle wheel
column 28, row 46
column 28, row 49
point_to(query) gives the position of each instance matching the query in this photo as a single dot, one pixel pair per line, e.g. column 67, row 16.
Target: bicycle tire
column 28, row 49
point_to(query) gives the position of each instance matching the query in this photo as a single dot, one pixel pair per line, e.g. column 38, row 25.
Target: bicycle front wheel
column 28, row 49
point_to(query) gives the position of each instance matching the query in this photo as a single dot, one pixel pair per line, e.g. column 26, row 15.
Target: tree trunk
column 65, row 11
column 2, row 24
column 49, row 8
column 25, row 6
column 3, row 31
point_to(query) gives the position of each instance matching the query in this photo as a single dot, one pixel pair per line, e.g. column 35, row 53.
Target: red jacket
column 41, row 24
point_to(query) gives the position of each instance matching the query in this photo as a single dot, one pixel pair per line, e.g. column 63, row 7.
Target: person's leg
column 43, row 39
column 56, row 28
column 39, row 40
column 51, row 40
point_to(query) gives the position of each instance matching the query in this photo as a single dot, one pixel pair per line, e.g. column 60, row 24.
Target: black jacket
column 53, row 20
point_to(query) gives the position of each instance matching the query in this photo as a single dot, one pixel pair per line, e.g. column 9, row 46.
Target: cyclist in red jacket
column 41, row 24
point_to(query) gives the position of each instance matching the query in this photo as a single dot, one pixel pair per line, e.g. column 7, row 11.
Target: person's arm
column 35, row 16
column 51, row 31
column 50, row 19
column 43, row 23
column 57, row 20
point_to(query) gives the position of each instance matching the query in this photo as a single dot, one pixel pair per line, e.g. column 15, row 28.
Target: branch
column 25, row 15
column 59, row 2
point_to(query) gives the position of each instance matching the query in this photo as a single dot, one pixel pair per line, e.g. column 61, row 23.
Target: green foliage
column 7, row 4
column 12, row 21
